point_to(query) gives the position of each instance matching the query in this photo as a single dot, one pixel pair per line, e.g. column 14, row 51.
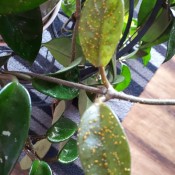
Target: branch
column 77, row 18
column 112, row 94
column 109, row 93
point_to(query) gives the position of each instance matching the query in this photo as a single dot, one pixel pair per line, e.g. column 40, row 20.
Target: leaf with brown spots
column 100, row 29
column 103, row 147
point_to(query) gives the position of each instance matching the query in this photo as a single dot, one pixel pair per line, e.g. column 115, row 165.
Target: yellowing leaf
column 100, row 29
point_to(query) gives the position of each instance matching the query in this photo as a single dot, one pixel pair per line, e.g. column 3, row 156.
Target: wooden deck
column 151, row 129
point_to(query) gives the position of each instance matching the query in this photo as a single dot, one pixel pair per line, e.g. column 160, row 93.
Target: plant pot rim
column 47, row 20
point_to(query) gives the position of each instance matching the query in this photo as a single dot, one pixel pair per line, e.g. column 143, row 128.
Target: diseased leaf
column 70, row 73
column 100, row 30
column 40, row 168
column 69, row 153
column 16, row 6
column 61, row 50
column 102, row 144
column 171, row 44
column 23, row 33
column 63, row 129
column 125, row 72
column 15, row 111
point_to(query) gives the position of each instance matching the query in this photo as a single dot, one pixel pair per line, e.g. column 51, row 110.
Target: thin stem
column 104, row 78
column 112, row 94
column 109, row 93
column 77, row 18
column 60, row 82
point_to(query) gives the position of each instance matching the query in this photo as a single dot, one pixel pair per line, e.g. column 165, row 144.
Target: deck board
column 151, row 129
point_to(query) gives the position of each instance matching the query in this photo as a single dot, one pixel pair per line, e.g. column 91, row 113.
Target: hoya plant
column 104, row 36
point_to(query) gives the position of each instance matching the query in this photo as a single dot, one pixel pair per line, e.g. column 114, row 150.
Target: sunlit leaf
column 69, row 153
column 125, row 72
column 15, row 111
column 23, row 32
column 100, row 29
column 70, row 73
column 102, row 144
column 40, row 168
column 61, row 50
column 63, row 129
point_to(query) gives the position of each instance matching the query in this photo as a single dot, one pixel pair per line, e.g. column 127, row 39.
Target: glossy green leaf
column 69, row 153
column 16, row 6
column 23, row 33
column 70, row 73
column 40, row 168
column 61, row 50
column 15, row 111
column 63, row 129
column 68, row 7
column 4, row 59
column 171, row 44
column 100, row 29
column 159, row 26
column 102, row 144
column 125, row 72
column 145, row 10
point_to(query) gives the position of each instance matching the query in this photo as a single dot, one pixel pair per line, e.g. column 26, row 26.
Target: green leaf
column 4, row 59
column 15, row 111
column 70, row 73
column 69, row 153
column 118, row 79
column 147, row 57
column 68, row 7
column 61, row 50
column 63, row 129
column 83, row 102
column 145, row 10
column 125, row 72
column 163, row 38
column 40, row 168
column 171, row 44
column 102, row 144
column 127, row 4
column 161, row 23
column 100, row 29
column 16, row 6
column 23, row 33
